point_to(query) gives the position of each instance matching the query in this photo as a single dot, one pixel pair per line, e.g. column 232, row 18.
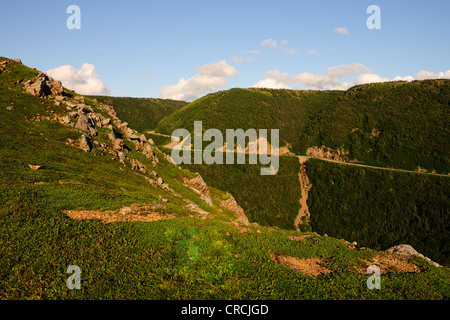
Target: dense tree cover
column 379, row 208
column 396, row 124
column 142, row 114
column 267, row 200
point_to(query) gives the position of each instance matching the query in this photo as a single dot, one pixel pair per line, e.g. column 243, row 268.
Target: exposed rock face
column 7, row 61
column 67, row 121
column 198, row 184
column 407, row 251
column 86, row 124
column 233, row 206
column 84, row 143
column 338, row 154
column 42, row 85
column 114, row 135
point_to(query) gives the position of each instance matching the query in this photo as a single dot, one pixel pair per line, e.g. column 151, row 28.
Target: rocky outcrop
column 199, row 186
column 42, row 86
column 408, row 252
column 85, row 143
column 86, row 124
column 231, row 204
column 6, row 62
column 338, row 154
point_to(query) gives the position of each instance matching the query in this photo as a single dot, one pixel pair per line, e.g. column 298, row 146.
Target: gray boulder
column 408, row 252
column 84, row 143
column 85, row 124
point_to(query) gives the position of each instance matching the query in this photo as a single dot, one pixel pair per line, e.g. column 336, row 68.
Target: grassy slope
column 172, row 259
column 142, row 114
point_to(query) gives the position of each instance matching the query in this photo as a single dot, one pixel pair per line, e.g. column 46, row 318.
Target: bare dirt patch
column 391, row 264
column 144, row 213
column 302, row 237
column 305, row 186
column 312, row 267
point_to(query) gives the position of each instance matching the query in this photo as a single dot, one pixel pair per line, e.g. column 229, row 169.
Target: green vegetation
column 396, row 124
column 183, row 257
column 142, row 114
column 267, row 200
column 380, row 209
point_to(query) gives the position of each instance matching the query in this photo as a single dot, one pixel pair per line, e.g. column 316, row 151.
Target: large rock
column 233, row 206
column 198, row 184
column 42, row 85
column 84, row 143
column 85, row 124
column 114, row 135
column 67, row 120
column 408, row 252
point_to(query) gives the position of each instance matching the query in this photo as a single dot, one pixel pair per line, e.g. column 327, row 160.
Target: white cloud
column 331, row 79
column 313, row 52
column 145, row 75
column 253, row 52
column 290, row 52
column 270, row 83
column 422, row 74
column 83, row 81
column 370, row 78
column 209, row 78
column 342, row 30
column 269, row 43
column 238, row 60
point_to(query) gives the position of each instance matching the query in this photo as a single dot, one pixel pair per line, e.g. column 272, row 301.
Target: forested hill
column 141, row 113
column 395, row 124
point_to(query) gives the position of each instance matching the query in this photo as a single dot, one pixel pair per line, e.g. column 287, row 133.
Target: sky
column 185, row 49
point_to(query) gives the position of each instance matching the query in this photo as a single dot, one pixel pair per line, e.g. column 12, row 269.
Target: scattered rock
column 42, row 86
column 85, row 124
column 198, row 184
column 84, row 143
column 232, row 205
column 34, row 167
column 67, row 121
column 60, row 98
column 79, row 98
column 408, row 252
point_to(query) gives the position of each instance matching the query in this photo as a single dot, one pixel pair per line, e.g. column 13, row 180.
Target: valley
column 81, row 185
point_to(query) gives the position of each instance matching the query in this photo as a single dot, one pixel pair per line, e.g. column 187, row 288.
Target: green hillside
column 379, row 208
column 267, row 200
column 396, row 124
column 142, row 114
column 137, row 226
column 400, row 125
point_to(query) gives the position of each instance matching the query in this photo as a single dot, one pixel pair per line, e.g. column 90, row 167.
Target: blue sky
column 139, row 47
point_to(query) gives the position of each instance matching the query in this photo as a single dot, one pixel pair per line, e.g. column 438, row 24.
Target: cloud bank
column 209, row 78
column 332, row 78
column 83, row 81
